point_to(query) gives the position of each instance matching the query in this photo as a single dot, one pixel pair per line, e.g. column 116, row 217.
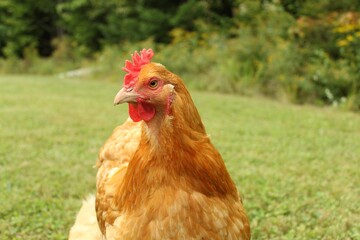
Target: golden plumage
column 163, row 178
column 160, row 177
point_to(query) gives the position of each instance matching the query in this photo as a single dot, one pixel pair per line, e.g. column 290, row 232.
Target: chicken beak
column 126, row 95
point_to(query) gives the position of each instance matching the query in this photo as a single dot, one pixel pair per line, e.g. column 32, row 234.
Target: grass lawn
column 297, row 168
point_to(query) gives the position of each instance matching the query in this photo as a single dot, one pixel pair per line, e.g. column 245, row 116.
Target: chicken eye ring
column 154, row 83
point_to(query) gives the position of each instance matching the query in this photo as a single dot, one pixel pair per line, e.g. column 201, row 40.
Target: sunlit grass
column 297, row 168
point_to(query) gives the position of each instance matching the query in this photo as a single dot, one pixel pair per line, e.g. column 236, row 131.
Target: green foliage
column 296, row 168
column 31, row 63
column 321, row 7
column 92, row 25
column 293, row 6
column 348, row 41
column 27, row 24
column 186, row 14
column 90, row 22
column 298, row 51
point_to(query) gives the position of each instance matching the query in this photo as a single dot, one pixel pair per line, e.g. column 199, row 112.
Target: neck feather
column 168, row 156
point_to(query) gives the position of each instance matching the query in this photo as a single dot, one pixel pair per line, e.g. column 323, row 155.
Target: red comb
column 133, row 68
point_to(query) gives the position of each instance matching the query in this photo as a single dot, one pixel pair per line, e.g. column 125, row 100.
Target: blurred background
column 255, row 69
column 299, row 51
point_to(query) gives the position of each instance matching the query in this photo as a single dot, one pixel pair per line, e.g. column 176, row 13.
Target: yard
column 296, row 167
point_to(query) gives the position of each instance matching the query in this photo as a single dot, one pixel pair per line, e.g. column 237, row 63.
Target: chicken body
column 112, row 164
column 86, row 225
column 161, row 178
column 159, row 203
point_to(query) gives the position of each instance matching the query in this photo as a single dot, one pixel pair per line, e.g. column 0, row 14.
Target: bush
column 263, row 50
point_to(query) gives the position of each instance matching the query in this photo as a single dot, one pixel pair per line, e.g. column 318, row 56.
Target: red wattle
column 146, row 111
column 133, row 113
column 141, row 111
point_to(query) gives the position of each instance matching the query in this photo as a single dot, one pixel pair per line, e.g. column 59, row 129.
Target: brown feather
column 174, row 183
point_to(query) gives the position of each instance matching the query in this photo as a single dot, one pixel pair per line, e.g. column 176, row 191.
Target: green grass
column 297, row 168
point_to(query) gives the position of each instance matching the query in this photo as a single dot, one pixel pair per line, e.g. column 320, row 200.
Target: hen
column 159, row 176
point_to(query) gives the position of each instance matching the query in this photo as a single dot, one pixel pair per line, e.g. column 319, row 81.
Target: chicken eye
column 153, row 83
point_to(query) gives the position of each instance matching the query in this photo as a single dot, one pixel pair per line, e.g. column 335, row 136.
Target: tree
column 27, row 23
